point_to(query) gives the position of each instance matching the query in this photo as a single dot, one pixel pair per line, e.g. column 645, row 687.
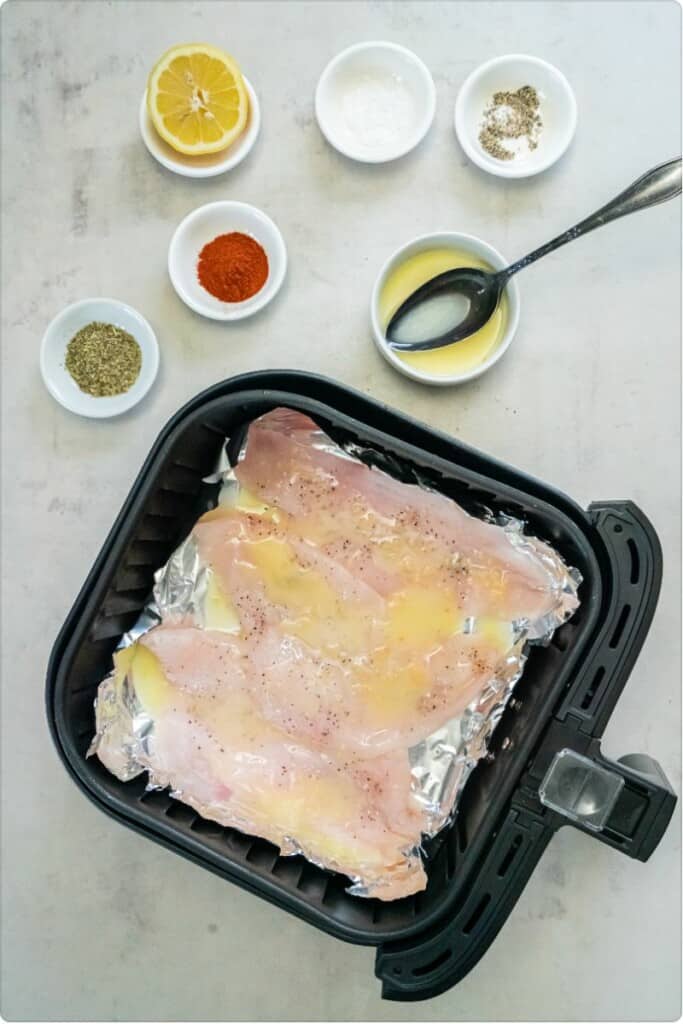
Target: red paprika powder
column 233, row 267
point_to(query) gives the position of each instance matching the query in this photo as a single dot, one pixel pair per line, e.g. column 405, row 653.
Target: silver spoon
column 464, row 299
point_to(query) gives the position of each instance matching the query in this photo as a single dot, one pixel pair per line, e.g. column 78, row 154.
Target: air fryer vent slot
column 477, row 913
column 451, row 856
column 91, row 686
column 144, row 553
column 263, row 855
column 434, row 964
column 592, row 689
column 635, row 561
column 154, row 527
column 313, row 881
column 119, row 602
column 619, row 628
column 289, row 870
column 561, row 639
column 238, row 842
column 156, row 799
column 181, row 812
column 204, row 827
column 509, row 856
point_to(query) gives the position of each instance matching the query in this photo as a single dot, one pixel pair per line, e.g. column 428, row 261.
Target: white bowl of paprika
column 227, row 260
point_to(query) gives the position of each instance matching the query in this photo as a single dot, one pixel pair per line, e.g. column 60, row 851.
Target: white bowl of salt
column 375, row 101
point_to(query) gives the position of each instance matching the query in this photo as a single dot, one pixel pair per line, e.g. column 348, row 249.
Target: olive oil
column 464, row 355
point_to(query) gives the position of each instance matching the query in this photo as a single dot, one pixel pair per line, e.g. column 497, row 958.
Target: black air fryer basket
column 544, row 767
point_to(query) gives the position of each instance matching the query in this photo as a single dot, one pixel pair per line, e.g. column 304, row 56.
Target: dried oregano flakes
column 103, row 359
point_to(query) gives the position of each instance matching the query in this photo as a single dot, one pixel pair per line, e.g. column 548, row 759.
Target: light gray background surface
column 99, row 923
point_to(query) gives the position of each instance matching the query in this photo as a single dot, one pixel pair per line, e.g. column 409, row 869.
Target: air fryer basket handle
column 627, row 803
column 427, row 966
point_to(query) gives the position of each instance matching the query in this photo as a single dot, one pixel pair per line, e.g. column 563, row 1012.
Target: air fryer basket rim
column 178, row 424
column 304, row 390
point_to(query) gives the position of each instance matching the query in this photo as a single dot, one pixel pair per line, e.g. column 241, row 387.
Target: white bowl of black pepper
column 99, row 357
column 515, row 116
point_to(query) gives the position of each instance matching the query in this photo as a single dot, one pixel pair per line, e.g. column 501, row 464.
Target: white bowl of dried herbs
column 515, row 116
column 99, row 357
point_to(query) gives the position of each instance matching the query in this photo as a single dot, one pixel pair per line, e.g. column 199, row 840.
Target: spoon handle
column 656, row 186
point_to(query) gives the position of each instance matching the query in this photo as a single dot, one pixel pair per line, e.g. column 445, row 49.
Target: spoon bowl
column 465, row 297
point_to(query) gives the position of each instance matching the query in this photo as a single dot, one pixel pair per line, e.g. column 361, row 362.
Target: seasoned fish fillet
column 339, row 665
column 383, row 530
column 218, row 753
column 341, row 619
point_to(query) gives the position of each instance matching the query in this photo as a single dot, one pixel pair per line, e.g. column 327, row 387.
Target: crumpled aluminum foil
column 440, row 764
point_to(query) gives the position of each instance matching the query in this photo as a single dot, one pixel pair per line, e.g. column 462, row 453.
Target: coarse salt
column 378, row 109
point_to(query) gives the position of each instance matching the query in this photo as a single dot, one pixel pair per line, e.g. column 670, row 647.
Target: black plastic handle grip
column 626, row 804
column 643, row 809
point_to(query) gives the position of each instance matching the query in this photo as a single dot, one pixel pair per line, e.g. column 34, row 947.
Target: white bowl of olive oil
column 416, row 263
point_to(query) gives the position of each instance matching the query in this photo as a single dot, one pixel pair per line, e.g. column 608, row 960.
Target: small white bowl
column 202, row 226
column 444, row 240
column 557, row 110
column 59, row 333
column 354, row 87
column 210, row 164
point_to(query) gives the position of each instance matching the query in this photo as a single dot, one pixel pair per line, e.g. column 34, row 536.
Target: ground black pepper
column 510, row 116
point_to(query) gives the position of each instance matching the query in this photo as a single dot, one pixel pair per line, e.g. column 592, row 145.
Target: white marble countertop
column 99, row 923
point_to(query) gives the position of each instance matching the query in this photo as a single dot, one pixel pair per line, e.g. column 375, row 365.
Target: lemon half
column 197, row 99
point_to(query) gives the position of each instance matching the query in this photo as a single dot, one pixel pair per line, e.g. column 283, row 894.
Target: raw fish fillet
column 383, row 530
column 220, row 756
column 338, row 664
column 343, row 618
